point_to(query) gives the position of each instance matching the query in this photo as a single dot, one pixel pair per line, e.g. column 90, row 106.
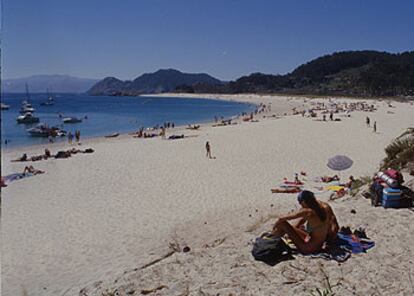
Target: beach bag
column 396, row 175
column 388, row 179
column 270, row 249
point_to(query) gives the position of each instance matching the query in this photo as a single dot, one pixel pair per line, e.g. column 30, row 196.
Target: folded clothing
column 353, row 243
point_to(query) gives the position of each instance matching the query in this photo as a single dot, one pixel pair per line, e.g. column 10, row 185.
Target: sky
column 224, row 38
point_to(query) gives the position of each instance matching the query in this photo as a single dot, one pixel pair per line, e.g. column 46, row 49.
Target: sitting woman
column 319, row 223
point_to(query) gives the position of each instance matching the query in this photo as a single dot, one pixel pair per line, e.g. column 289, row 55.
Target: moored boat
column 42, row 130
column 71, row 120
column 4, row 106
column 27, row 118
column 49, row 101
column 26, row 109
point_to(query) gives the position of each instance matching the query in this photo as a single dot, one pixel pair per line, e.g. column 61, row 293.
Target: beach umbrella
column 339, row 163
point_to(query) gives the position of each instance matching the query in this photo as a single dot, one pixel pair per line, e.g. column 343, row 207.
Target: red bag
column 396, row 175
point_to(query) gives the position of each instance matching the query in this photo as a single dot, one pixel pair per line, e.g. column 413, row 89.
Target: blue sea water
column 108, row 114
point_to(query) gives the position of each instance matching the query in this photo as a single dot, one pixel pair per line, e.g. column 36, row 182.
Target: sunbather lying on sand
column 286, row 190
column 319, row 223
column 22, row 158
column 32, row 170
column 193, row 127
column 174, row 137
column 328, row 179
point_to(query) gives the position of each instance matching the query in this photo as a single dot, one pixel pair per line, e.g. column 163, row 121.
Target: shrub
column 400, row 152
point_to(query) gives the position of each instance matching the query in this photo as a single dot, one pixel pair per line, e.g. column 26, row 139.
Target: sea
column 104, row 115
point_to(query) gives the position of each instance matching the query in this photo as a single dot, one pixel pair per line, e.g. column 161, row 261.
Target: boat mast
column 27, row 91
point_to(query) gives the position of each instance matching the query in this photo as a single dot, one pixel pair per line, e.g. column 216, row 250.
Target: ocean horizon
column 104, row 115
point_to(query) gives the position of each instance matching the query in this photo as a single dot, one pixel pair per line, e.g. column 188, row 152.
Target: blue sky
column 227, row 38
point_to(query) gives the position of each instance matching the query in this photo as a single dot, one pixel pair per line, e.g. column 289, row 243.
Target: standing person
column 70, row 137
column 375, row 126
column 367, row 121
column 77, row 136
column 331, row 116
column 297, row 181
column 162, row 132
column 208, row 149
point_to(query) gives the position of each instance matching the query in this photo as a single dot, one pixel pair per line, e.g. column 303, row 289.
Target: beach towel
column 333, row 253
column 353, row 243
column 334, row 188
column 290, row 186
column 16, row 176
column 345, row 245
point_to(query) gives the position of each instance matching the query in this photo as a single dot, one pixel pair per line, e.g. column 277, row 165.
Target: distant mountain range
column 41, row 83
column 354, row 73
column 164, row 80
column 350, row 73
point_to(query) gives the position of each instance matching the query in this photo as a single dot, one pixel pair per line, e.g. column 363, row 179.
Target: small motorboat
column 26, row 103
column 42, row 130
column 27, row 118
column 49, row 102
column 71, row 120
column 4, row 106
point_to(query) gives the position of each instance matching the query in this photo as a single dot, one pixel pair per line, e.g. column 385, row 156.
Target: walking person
column 208, row 149
column 367, row 121
column 375, row 126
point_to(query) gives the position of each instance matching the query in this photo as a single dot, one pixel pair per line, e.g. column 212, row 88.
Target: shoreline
column 93, row 139
column 99, row 216
column 246, row 99
column 254, row 99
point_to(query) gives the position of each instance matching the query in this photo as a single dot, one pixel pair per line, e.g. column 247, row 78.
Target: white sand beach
column 93, row 221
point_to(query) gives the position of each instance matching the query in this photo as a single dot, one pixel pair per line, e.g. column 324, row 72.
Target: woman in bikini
column 317, row 224
column 30, row 169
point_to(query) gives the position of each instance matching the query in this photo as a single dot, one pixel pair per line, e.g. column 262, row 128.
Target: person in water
column 317, row 224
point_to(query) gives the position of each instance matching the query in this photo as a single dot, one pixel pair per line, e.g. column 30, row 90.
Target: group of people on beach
column 24, row 157
column 76, row 136
column 47, row 154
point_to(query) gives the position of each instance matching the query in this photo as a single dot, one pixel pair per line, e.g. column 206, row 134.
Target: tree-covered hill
column 358, row 73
